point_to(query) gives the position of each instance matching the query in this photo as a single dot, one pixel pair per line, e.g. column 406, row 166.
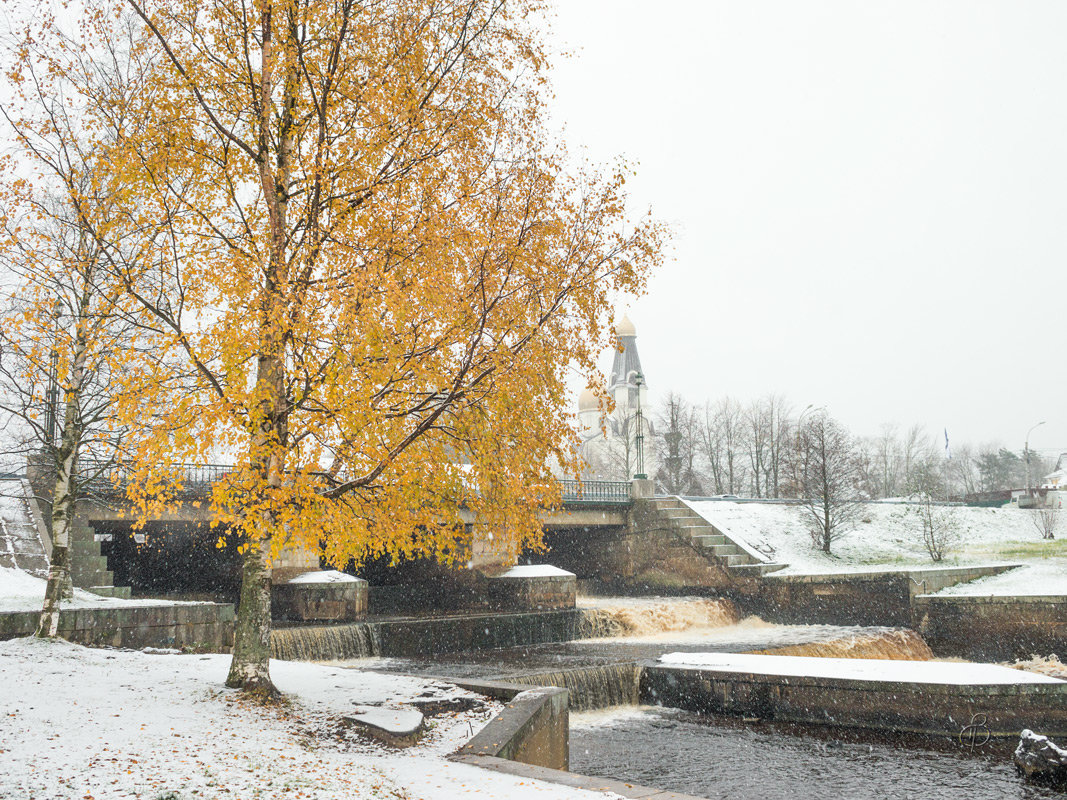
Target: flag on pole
column 948, row 454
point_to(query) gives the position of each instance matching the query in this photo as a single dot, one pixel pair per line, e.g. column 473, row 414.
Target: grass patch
column 1041, row 548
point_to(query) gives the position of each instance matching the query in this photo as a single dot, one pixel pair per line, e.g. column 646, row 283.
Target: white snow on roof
column 866, row 669
column 535, row 571
column 324, row 576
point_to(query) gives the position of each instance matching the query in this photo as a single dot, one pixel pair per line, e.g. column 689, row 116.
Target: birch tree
column 385, row 266
column 70, row 335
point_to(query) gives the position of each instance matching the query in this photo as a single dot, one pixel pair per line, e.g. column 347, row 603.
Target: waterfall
column 590, row 687
column 899, row 644
column 326, row 642
column 640, row 617
column 1050, row 665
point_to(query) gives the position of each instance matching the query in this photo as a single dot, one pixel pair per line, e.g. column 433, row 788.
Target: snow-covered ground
column 93, row 724
column 21, row 591
column 889, row 536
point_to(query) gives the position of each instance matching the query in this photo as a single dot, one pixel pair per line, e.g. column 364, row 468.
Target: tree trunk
column 250, row 667
column 59, row 587
column 64, row 500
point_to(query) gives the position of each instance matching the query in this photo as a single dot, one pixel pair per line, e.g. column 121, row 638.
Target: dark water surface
column 719, row 757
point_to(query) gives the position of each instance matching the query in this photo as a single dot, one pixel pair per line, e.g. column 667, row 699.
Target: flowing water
column 706, row 756
column 895, row 643
column 326, row 642
column 640, row 617
column 590, row 687
column 725, row 757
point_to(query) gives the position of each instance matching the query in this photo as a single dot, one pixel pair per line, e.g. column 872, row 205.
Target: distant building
column 1055, row 484
column 610, row 443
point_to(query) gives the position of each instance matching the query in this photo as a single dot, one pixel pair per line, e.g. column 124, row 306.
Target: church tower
column 611, row 452
column 625, row 369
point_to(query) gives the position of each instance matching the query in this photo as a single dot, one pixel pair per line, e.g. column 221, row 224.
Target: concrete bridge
column 610, row 532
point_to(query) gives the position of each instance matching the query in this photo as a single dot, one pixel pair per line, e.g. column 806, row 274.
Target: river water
column 725, row 757
column 722, row 757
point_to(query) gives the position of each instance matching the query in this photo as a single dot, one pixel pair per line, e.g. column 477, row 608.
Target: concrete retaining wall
column 533, row 728
column 206, row 627
column 896, row 706
column 861, row 598
column 993, row 628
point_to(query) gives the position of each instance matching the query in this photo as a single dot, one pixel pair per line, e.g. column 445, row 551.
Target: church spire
column 627, row 363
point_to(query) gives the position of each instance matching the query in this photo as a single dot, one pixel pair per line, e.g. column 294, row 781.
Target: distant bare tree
column 722, row 438
column 769, row 432
column 962, row 472
column 889, row 460
column 677, row 442
column 1046, row 520
column 940, row 527
column 868, row 468
column 828, row 478
column 758, row 427
column 780, row 441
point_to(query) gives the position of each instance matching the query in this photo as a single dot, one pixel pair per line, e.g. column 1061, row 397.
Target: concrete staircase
column 711, row 542
column 25, row 539
column 88, row 569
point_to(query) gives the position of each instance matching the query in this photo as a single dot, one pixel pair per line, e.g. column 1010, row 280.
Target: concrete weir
column 958, row 699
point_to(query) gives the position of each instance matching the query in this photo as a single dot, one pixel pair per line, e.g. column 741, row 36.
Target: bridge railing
column 596, row 492
column 199, row 477
column 196, row 477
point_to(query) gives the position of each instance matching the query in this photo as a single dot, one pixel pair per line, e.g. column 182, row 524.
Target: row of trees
column 327, row 241
column 758, row 450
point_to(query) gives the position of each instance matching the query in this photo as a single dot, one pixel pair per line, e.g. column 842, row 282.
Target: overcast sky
column 869, row 200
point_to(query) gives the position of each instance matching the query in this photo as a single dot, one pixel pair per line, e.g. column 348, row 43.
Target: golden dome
column 588, row 401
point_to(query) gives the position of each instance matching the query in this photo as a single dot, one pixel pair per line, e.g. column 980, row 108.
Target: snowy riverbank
column 889, row 536
column 76, row 722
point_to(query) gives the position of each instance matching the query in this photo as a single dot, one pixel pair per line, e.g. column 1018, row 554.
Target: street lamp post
column 639, row 438
column 1026, row 452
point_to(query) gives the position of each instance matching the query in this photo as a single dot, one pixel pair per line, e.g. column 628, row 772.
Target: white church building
column 618, row 445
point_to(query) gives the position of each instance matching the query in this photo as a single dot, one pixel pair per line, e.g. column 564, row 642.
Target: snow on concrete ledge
column 324, row 576
column 864, row 669
column 536, row 571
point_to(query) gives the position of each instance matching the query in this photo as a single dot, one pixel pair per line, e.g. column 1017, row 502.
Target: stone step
column 736, row 559
column 90, row 572
column 757, row 569
column 110, row 591
column 709, row 540
column 695, row 530
column 84, row 548
column 722, row 550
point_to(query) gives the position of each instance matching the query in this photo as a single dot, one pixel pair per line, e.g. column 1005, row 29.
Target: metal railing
column 596, row 492
column 196, row 478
